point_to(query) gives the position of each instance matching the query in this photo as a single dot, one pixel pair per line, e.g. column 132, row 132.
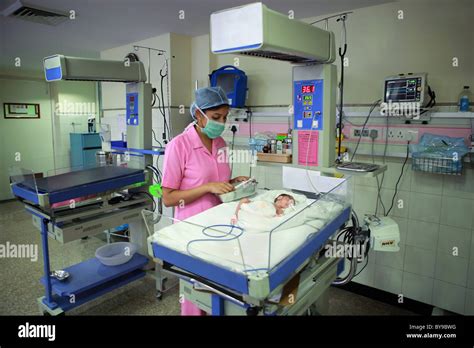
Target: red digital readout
column 307, row 89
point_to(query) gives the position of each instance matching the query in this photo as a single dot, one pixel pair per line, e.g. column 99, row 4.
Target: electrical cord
column 168, row 100
column 363, row 126
column 162, row 103
column 155, row 98
column 379, row 183
column 218, row 238
column 307, row 155
column 351, row 236
column 148, row 194
column 160, row 199
column 166, row 131
column 159, row 204
column 366, row 263
column 399, row 178
column 249, row 113
column 234, row 130
column 342, row 53
column 154, row 137
column 155, row 171
column 432, row 101
column 159, row 176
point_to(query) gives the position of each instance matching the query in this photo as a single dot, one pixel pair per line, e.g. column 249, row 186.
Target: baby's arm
column 236, row 215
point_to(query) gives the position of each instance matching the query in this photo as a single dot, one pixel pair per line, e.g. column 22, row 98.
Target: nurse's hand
column 239, row 179
column 219, row 188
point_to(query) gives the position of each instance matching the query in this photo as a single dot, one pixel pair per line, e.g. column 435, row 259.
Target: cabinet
column 83, row 148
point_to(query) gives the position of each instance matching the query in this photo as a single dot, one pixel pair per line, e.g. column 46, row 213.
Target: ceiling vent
column 21, row 10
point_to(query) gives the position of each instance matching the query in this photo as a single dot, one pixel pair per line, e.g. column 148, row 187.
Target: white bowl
column 116, row 253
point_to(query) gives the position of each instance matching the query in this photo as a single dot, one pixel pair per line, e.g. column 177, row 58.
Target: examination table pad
column 253, row 250
column 74, row 179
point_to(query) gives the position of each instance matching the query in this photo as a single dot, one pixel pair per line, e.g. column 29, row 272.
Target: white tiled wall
column 419, row 261
column 367, row 276
column 470, row 276
column 449, row 296
column 452, row 238
column 436, row 257
column 422, row 234
column 469, row 302
column 388, row 279
column 418, row 287
column 435, row 213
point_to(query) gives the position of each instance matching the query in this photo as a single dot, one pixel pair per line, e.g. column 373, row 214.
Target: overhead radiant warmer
column 258, row 31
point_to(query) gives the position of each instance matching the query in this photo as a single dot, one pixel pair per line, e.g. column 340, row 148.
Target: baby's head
column 284, row 201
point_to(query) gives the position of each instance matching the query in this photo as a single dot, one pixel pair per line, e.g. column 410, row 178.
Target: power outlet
column 412, row 135
column 395, row 134
column 229, row 127
column 402, row 134
column 356, row 132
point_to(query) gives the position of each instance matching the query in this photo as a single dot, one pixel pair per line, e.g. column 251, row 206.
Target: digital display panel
column 307, row 88
column 403, row 90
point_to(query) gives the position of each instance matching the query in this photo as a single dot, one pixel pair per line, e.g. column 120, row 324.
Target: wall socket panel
column 394, row 134
column 365, row 133
column 402, row 134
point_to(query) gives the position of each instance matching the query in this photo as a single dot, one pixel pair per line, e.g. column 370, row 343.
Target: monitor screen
column 403, row 89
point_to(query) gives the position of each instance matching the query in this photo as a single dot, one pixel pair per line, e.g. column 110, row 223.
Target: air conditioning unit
column 256, row 30
column 22, row 10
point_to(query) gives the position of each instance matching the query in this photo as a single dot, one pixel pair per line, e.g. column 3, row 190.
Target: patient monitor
column 406, row 88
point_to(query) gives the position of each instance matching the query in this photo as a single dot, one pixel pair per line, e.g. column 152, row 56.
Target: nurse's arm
column 174, row 197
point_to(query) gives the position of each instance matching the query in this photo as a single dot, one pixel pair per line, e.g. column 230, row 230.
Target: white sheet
column 249, row 252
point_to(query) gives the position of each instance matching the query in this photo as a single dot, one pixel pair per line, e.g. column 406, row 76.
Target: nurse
column 194, row 171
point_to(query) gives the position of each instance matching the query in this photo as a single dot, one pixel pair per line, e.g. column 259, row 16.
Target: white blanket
column 247, row 249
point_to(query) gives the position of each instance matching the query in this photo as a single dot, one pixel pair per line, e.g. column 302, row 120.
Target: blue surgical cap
column 208, row 97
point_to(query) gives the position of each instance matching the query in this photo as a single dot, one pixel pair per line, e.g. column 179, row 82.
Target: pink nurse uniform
column 189, row 164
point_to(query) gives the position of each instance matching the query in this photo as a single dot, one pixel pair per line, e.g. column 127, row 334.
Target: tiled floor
column 20, row 287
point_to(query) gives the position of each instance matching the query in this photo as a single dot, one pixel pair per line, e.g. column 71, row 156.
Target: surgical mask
column 213, row 129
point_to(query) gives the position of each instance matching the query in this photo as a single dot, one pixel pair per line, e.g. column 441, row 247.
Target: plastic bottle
column 289, row 149
column 279, row 147
column 285, row 146
column 464, row 99
column 273, row 146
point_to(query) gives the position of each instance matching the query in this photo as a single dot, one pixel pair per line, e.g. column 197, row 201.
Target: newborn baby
column 264, row 208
